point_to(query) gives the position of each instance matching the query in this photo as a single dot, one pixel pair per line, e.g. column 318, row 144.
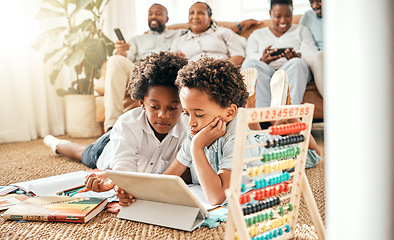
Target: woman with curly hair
column 145, row 139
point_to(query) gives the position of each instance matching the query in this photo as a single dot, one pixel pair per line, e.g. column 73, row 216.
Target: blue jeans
column 92, row 152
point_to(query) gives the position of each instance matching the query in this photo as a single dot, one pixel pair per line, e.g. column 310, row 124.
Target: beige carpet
column 31, row 160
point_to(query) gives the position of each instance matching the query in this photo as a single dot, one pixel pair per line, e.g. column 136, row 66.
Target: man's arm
column 246, row 24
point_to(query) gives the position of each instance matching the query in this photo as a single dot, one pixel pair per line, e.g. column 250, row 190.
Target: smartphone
column 279, row 51
column 119, row 34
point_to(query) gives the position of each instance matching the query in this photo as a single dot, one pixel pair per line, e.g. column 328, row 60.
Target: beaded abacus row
column 261, row 214
column 270, row 167
column 262, row 225
column 285, row 129
column 268, row 181
column 266, row 215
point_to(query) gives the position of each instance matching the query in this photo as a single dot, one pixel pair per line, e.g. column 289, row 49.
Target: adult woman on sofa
column 262, row 45
column 205, row 38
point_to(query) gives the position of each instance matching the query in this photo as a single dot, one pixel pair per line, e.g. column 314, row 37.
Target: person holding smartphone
column 262, row 45
column 121, row 64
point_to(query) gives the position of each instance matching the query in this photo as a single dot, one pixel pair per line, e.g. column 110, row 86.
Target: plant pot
column 81, row 116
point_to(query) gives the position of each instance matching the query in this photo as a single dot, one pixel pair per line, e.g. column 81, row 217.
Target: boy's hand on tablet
column 125, row 199
column 98, row 182
column 209, row 133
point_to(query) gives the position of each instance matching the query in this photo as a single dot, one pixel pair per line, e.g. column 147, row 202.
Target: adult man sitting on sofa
column 120, row 65
column 312, row 19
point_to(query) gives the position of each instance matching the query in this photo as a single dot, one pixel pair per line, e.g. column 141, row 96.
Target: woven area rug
column 31, row 160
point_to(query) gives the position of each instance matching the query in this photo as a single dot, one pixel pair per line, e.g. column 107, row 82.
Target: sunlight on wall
column 18, row 26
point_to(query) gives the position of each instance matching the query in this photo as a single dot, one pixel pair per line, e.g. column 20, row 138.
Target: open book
column 58, row 209
column 11, row 199
column 51, row 185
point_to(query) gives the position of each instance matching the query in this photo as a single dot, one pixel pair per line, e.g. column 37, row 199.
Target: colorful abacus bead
column 244, row 199
column 287, row 228
column 274, row 233
column 243, row 187
column 280, row 154
column 284, row 129
column 289, row 207
column 281, row 210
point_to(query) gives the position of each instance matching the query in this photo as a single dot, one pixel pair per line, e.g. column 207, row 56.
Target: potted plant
column 79, row 43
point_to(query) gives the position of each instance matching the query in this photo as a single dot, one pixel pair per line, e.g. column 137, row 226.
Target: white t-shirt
column 134, row 147
column 297, row 36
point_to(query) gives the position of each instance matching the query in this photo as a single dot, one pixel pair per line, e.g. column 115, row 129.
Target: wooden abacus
column 260, row 220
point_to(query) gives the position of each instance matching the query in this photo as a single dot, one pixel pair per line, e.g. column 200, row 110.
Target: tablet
column 166, row 193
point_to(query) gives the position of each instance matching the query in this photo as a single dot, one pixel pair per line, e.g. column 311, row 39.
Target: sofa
column 311, row 94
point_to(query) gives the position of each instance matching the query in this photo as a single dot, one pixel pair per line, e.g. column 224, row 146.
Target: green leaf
column 53, row 75
column 84, row 85
column 86, row 25
column 65, row 3
column 75, row 38
column 96, row 52
column 51, row 54
column 42, row 40
column 110, row 46
column 55, row 3
column 80, row 5
column 48, row 13
column 75, row 58
column 98, row 3
column 61, row 92
column 61, row 55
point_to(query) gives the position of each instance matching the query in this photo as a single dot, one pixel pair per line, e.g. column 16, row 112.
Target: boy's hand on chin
column 209, row 133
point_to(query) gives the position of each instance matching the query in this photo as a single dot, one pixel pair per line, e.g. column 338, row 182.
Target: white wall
column 359, row 105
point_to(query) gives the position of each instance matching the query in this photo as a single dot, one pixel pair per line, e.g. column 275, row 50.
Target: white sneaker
column 279, row 88
column 250, row 78
column 52, row 142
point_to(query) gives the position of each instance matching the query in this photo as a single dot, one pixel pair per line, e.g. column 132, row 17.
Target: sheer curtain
column 29, row 105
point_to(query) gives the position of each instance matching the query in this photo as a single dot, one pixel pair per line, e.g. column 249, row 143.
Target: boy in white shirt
column 211, row 91
column 145, row 139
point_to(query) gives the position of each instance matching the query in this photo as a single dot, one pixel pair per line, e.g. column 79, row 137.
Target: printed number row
column 282, row 113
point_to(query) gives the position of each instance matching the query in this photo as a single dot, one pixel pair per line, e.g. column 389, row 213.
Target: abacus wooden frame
column 235, row 217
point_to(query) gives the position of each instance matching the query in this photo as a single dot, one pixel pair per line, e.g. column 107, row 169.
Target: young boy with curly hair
column 211, row 91
column 145, row 139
